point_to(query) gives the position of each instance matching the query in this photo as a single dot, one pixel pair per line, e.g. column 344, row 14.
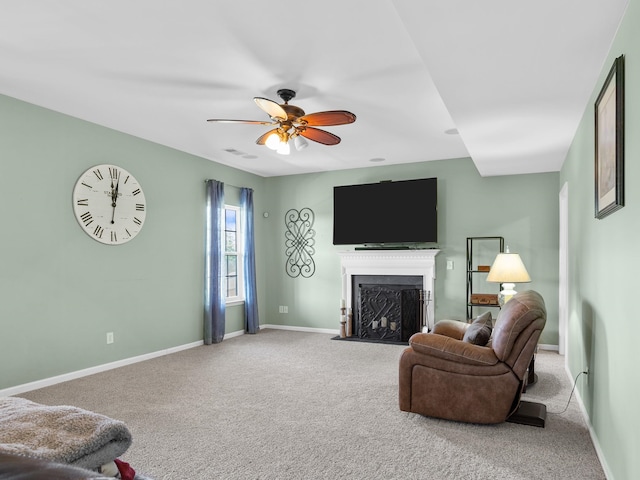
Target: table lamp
column 508, row 269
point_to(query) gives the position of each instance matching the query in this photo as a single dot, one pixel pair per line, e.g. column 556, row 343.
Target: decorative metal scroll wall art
column 300, row 242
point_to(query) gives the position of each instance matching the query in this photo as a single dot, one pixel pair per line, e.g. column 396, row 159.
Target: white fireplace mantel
column 390, row 262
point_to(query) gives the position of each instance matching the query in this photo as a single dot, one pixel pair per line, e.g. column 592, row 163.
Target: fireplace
column 386, row 307
column 398, row 291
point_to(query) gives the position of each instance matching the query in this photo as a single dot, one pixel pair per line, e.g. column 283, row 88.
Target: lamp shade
column 508, row 267
column 508, row 270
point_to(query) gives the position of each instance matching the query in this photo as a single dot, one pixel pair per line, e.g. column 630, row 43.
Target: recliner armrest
column 447, row 348
column 450, row 328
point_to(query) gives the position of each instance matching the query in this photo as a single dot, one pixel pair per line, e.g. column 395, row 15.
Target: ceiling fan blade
column 252, row 122
column 272, row 109
column 320, row 136
column 325, row 119
column 263, row 138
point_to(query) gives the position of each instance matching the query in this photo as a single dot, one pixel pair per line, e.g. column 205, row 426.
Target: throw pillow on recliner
column 479, row 332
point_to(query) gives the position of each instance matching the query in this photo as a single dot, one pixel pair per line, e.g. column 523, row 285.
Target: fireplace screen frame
column 390, row 311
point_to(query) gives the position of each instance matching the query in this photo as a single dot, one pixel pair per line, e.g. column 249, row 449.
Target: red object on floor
column 126, row 472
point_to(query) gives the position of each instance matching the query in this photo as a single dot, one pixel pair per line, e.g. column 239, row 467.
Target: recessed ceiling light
column 250, row 157
column 376, row 160
column 234, row 151
column 452, row 131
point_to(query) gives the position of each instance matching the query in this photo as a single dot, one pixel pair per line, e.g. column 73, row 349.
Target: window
column 233, row 250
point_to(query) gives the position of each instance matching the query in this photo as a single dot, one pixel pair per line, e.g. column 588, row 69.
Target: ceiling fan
column 293, row 123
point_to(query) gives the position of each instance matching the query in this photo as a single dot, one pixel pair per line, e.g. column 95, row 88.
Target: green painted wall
column 62, row 291
column 603, row 262
column 523, row 209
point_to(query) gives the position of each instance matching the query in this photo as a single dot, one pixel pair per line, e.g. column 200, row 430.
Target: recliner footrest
column 529, row 413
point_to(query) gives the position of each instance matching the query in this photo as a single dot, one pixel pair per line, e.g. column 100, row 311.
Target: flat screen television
column 386, row 213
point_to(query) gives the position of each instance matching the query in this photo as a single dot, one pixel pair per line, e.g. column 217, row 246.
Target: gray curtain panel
column 214, row 308
column 252, row 320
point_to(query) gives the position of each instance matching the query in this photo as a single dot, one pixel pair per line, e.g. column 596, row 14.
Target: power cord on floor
column 575, row 382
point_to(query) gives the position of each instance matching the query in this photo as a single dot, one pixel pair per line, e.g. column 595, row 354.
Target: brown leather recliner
column 445, row 377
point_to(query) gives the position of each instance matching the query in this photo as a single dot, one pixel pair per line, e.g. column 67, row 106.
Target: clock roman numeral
column 128, row 233
column 126, row 180
column 98, row 174
column 137, row 221
column 136, row 191
column 114, row 173
column 98, row 231
column 86, row 218
column 140, row 207
column 83, row 202
column 114, row 238
column 88, row 186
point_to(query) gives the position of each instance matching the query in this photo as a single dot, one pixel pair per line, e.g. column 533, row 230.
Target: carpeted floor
column 292, row 405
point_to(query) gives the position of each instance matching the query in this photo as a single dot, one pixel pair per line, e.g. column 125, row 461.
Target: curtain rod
column 234, row 186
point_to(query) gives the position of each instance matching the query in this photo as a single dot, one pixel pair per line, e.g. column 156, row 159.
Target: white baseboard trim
column 47, row 382
column 301, row 329
column 234, row 334
column 592, row 433
column 553, row 348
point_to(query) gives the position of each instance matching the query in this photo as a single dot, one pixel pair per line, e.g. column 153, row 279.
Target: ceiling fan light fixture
column 284, row 148
column 300, row 143
column 273, row 141
column 291, row 121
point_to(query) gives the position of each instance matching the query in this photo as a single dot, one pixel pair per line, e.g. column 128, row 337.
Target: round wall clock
column 109, row 204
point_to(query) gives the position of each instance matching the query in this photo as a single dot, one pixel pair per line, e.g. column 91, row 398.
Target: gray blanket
column 60, row 433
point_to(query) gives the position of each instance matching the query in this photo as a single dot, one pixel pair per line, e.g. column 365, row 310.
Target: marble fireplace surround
column 418, row 262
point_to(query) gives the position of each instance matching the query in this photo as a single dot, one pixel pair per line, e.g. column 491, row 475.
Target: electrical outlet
column 110, row 337
column 449, row 264
column 284, row 309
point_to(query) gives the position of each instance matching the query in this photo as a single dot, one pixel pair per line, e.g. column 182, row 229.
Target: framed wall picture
column 609, row 148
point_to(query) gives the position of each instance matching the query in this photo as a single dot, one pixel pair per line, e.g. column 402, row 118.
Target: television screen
column 402, row 212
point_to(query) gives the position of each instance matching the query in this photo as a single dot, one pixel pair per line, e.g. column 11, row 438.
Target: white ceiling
column 513, row 77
